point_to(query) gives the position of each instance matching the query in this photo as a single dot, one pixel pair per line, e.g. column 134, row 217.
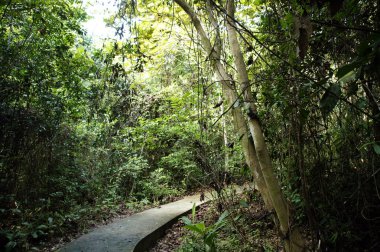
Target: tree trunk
column 293, row 238
column 239, row 122
column 225, row 138
column 249, row 149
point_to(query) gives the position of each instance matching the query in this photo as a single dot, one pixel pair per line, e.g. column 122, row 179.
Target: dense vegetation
column 86, row 131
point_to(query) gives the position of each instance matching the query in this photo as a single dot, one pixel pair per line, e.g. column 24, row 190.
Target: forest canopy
column 191, row 94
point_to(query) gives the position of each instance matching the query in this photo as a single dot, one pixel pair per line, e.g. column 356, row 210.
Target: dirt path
column 134, row 233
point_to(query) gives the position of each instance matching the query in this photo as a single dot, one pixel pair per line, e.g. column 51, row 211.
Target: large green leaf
column 350, row 76
column 330, row 99
column 376, row 148
column 186, row 220
column 347, row 69
column 199, row 227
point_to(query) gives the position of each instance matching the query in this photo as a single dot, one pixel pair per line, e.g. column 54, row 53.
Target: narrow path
column 134, row 233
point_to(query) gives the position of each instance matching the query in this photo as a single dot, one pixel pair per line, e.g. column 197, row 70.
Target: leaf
column 376, row 148
column 186, row 220
column 243, row 203
column 209, row 239
column 350, row 76
column 330, row 99
column 361, row 103
column 346, row 69
column 221, row 218
column 193, row 212
column 236, row 104
column 42, row 227
column 10, row 245
column 199, row 227
column 40, row 232
column 16, row 211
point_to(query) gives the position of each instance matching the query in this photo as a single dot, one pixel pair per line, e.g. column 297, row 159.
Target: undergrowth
column 246, row 227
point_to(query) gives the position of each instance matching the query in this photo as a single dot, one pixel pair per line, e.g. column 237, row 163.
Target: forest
column 191, row 95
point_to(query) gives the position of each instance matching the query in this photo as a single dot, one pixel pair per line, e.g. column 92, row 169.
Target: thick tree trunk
column 227, row 82
column 249, row 149
column 294, row 241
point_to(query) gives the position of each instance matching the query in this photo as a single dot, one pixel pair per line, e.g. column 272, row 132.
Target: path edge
column 150, row 240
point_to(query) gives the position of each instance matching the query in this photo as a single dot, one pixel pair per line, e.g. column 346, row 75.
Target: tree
column 271, row 189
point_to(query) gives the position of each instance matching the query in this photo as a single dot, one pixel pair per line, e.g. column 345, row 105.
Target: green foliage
column 208, row 233
column 314, row 112
column 157, row 187
column 330, row 99
column 87, row 131
column 84, row 133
